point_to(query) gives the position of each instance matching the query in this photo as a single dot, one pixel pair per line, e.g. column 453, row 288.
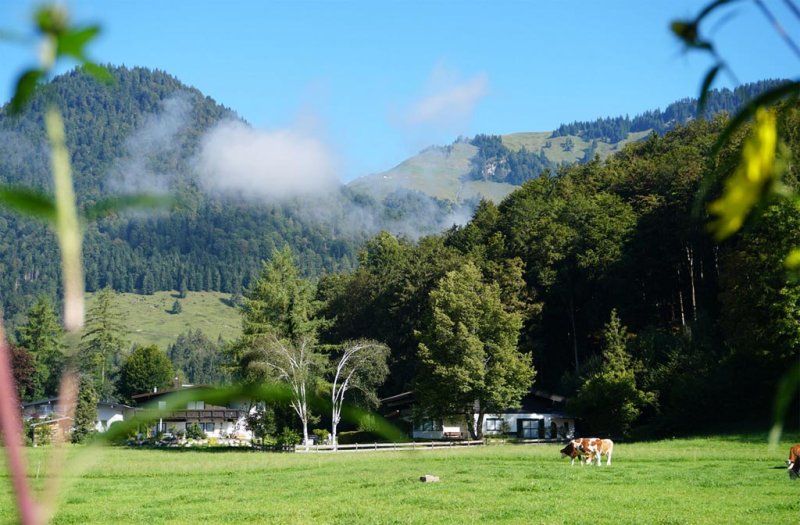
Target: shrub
column 42, row 435
column 321, row 434
column 367, row 424
column 288, row 436
column 194, row 431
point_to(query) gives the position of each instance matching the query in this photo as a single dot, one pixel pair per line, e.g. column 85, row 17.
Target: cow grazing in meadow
column 580, row 447
column 604, row 447
column 572, row 451
column 794, row 461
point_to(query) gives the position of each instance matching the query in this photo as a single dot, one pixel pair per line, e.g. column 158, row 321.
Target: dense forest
column 629, row 307
column 615, row 129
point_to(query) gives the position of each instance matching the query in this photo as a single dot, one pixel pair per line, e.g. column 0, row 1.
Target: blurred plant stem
column 11, row 426
column 67, row 226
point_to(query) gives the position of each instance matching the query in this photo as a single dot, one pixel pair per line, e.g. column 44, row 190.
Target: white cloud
column 240, row 160
column 449, row 102
column 134, row 172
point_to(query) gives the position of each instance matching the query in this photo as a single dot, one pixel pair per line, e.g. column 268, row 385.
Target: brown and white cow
column 604, row 447
column 580, row 447
column 571, row 450
column 794, row 461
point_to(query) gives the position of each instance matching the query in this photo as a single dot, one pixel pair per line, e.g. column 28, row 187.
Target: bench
column 451, row 432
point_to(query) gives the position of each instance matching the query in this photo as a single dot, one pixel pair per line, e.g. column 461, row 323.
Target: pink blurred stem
column 11, row 427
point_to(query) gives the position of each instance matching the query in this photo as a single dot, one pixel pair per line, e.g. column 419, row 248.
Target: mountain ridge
column 576, row 142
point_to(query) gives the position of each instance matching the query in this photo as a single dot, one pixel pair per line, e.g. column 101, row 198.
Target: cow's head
column 794, row 470
column 568, row 451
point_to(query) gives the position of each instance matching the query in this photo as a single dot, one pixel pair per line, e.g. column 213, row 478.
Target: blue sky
column 376, row 81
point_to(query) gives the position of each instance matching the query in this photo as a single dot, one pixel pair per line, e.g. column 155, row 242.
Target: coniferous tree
column 280, row 333
column 197, row 359
column 103, row 343
column 85, row 411
column 42, row 336
column 610, row 400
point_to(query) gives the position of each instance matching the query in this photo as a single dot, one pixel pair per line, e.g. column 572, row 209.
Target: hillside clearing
column 149, row 319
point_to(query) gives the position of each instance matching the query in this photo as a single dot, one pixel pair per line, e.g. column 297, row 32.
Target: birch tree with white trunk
column 361, row 367
column 297, row 364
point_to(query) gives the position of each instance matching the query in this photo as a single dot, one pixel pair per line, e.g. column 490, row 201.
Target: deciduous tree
column 293, row 362
column 145, row 369
column 362, row 367
column 468, row 358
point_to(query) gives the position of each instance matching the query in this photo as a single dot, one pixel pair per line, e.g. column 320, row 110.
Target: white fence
column 367, row 447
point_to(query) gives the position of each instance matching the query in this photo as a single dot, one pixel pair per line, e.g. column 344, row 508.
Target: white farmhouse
column 541, row 417
column 215, row 421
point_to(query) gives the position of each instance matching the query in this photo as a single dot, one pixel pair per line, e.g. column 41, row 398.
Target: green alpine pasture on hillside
column 149, row 320
column 698, row 481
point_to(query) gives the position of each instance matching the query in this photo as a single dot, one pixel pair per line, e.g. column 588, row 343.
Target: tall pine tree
column 103, row 343
column 42, row 336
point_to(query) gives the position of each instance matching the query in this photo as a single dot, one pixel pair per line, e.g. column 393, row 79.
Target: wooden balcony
column 226, row 414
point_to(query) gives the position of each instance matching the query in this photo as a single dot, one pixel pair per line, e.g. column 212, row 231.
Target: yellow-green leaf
column 756, row 170
column 99, row 72
column 792, row 260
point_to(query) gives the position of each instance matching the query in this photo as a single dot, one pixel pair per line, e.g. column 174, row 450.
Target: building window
column 529, row 428
column 494, row 425
column 162, row 405
column 428, row 425
column 196, row 405
column 207, row 427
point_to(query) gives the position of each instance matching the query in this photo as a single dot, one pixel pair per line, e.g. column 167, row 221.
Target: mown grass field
column 149, row 321
column 696, row 481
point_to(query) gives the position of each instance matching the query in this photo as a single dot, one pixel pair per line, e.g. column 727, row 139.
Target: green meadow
column 149, row 320
column 696, row 481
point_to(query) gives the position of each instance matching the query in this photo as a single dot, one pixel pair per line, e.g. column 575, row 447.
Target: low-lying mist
column 289, row 168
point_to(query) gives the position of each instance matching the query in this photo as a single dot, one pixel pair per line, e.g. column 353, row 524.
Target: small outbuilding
column 108, row 412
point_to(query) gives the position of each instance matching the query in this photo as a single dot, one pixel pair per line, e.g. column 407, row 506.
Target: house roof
column 158, row 393
column 54, row 401
column 47, row 401
column 52, row 421
column 534, row 401
column 398, row 398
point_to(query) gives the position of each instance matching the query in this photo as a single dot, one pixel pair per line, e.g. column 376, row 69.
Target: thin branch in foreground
column 776, row 25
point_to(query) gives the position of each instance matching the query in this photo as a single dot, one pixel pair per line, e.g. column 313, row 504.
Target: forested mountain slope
column 142, row 133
